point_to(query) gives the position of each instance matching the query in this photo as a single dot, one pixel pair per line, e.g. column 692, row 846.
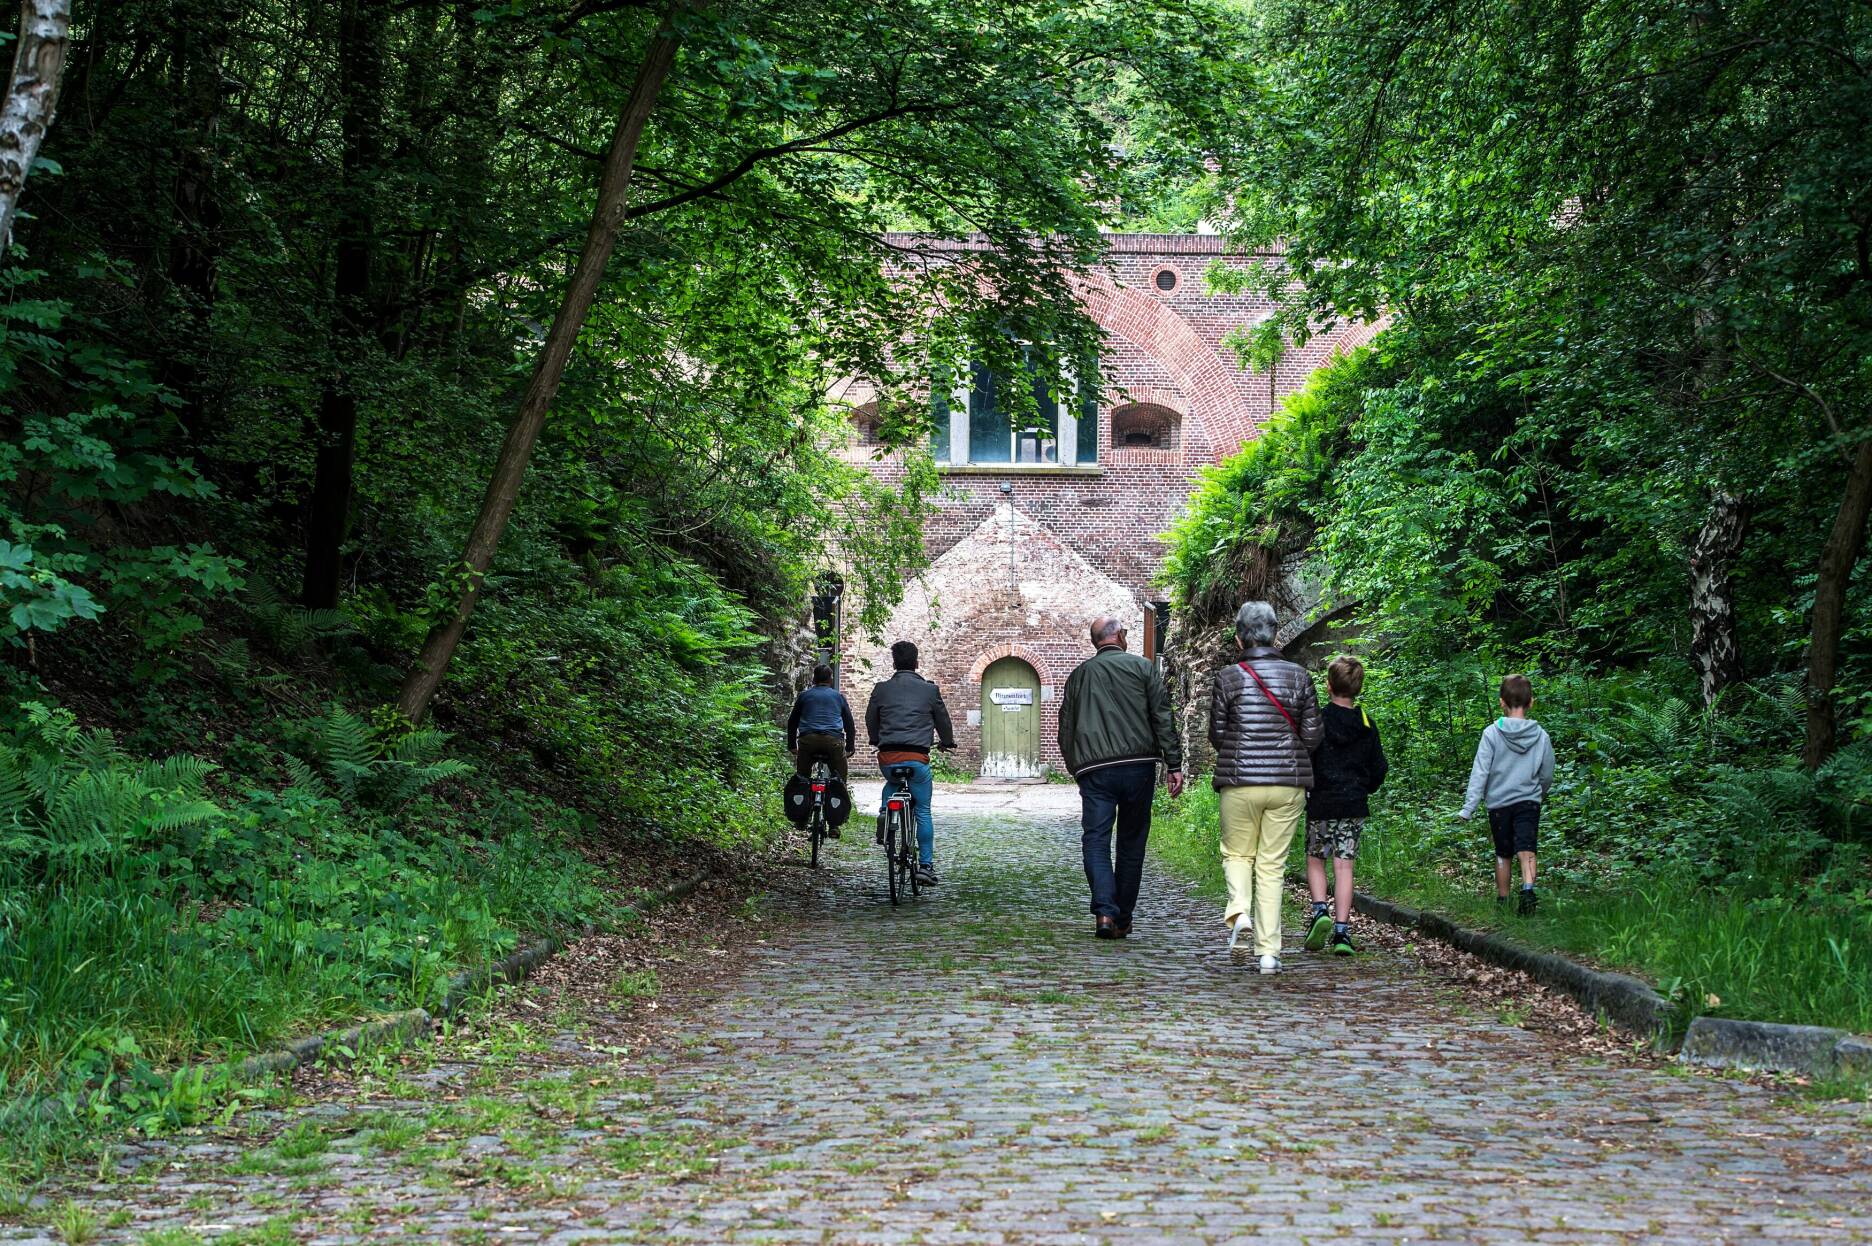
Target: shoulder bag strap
column 1272, row 699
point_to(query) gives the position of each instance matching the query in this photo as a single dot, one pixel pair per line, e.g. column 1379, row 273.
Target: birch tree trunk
column 31, row 99
column 1837, row 558
column 549, row 368
column 1714, row 647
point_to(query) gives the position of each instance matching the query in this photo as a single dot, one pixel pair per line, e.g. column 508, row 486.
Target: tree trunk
column 504, row 487
column 472, row 101
column 1714, row 647
column 1837, row 558
column 360, row 77
column 31, row 99
column 195, row 253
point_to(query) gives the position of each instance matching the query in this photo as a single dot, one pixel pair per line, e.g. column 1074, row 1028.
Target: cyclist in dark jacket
column 820, row 727
column 1114, row 726
column 905, row 712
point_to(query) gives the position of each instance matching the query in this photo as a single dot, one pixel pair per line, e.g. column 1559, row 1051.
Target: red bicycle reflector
column 818, row 787
column 896, row 806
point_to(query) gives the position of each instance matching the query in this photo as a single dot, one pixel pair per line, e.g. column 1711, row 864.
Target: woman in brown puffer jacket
column 1264, row 721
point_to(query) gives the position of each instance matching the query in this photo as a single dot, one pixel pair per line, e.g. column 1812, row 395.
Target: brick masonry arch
column 1156, row 396
column 993, row 654
column 1212, row 393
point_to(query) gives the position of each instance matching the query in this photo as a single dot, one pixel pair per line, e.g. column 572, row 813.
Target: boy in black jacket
column 1348, row 766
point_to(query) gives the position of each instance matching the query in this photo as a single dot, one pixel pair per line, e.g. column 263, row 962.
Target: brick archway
column 1156, row 396
column 995, row 653
column 1211, row 388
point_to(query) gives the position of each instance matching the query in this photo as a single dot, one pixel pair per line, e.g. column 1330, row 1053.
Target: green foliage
column 1261, row 501
column 150, row 915
column 1624, row 252
column 378, row 767
column 82, row 441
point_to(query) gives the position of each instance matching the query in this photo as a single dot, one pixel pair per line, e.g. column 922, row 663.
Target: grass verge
column 1763, row 958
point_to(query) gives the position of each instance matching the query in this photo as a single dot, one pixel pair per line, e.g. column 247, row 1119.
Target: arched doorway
column 1010, row 720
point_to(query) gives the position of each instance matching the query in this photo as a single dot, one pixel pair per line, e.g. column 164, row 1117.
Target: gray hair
column 1105, row 628
column 1255, row 624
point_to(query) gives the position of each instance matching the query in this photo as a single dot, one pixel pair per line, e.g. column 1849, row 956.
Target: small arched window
column 1146, row 426
column 865, row 423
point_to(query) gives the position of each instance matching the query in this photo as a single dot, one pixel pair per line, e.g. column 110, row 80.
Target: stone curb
column 400, row 1028
column 1769, row 1047
column 1626, row 1001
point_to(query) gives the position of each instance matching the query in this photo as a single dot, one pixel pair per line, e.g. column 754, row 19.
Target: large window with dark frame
column 976, row 421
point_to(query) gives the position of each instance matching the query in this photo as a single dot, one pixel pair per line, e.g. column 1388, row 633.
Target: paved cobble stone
column 973, row 1068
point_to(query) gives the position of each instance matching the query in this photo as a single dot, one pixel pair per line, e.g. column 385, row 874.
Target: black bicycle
column 899, row 837
column 817, row 829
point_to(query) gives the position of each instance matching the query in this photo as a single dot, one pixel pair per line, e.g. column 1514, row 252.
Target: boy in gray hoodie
column 1513, row 769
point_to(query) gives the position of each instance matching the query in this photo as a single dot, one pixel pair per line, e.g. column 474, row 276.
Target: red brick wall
column 1165, row 348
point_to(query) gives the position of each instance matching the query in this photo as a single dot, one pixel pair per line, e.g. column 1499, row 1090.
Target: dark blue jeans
column 1120, row 794
column 923, row 788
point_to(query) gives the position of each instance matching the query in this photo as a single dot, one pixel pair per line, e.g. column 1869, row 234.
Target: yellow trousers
column 1257, row 825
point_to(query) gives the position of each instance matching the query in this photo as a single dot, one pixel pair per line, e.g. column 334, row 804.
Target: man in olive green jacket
column 1114, row 727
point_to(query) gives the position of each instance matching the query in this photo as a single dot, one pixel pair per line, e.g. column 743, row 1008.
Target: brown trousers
column 827, row 748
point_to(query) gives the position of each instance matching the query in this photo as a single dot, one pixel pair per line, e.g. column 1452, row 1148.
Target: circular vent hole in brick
column 1166, row 279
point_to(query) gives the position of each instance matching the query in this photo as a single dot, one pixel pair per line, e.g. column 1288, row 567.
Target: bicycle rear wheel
column 893, row 831
column 912, row 856
column 817, row 833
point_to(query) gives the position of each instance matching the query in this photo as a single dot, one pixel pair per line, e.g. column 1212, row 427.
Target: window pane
column 1039, row 444
column 939, row 417
column 1088, row 412
column 989, row 439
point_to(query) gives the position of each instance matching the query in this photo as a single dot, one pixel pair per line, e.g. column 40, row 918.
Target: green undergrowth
column 165, row 912
column 152, row 914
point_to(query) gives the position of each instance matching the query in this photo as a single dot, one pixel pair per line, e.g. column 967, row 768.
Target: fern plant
column 287, row 627
column 71, row 800
column 377, row 767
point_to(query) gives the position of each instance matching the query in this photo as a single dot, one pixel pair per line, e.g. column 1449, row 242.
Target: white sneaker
column 1240, row 951
column 1270, row 964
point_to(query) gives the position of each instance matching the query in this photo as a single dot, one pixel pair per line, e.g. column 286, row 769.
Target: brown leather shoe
column 1123, row 929
column 1107, row 928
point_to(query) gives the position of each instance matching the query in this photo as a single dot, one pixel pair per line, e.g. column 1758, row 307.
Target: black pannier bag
column 837, row 803
column 798, row 799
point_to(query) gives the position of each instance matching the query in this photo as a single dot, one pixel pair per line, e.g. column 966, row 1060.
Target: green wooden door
column 1010, row 720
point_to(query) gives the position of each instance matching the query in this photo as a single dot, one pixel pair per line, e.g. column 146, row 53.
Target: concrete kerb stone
column 395, row 1030
column 1626, row 1001
column 1766, row 1046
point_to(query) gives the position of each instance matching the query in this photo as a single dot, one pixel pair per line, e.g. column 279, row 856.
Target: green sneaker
column 1342, row 943
column 1317, row 933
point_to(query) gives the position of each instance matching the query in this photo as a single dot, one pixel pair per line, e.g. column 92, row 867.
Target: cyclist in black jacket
column 905, row 712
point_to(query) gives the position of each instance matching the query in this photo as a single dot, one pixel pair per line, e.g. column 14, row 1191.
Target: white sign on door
column 1007, row 698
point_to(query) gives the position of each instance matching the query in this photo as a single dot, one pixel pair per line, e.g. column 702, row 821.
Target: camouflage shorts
column 1334, row 837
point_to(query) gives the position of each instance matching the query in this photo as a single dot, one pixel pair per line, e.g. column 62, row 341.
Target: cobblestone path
column 974, row 1068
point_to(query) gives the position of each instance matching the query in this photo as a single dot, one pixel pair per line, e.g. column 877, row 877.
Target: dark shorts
column 1515, row 828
